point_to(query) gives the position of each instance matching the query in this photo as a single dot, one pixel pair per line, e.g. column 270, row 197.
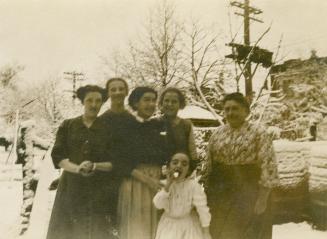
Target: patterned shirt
column 246, row 145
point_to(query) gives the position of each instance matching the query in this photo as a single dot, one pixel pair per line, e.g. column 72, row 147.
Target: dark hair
column 116, row 79
column 192, row 163
column 82, row 92
column 239, row 98
column 181, row 97
column 137, row 94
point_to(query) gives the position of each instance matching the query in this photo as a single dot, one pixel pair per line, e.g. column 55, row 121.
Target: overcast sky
column 52, row 36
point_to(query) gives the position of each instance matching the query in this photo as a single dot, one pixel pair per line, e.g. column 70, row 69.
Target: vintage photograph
column 163, row 119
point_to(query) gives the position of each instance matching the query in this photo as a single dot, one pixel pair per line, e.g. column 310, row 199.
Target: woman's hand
column 154, row 184
column 261, row 203
column 260, row 206
column 85, row 168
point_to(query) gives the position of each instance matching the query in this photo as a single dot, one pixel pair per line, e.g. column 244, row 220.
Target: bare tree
column 55, row 102
column 155, row 57
column 10, row 96
column 8, row 74
column 205, row 68
column 49, row 98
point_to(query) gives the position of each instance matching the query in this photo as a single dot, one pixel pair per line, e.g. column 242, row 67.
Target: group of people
column 113, row 184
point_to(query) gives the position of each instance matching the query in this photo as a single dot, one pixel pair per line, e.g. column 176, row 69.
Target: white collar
column 137, row 117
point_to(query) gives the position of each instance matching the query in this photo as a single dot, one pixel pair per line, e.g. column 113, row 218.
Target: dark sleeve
column 124, row 155
column 59, row 150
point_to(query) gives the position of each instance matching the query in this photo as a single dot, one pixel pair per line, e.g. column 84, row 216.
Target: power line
column 74, row 77
column 248, row 15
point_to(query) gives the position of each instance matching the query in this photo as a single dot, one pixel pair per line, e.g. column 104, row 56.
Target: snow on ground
column 297, row 231
column 10, row 205
column 11, row 196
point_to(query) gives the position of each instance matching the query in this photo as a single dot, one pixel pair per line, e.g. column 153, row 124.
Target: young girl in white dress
column 186, row 214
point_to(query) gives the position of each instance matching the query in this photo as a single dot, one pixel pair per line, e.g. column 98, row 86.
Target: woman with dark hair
column 180, row 135
column 81, row 206
column 243, row 171
column 137, row 216
column 120, row 129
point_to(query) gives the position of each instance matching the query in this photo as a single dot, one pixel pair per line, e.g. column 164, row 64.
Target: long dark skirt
column 232, row 194
column 81, row 209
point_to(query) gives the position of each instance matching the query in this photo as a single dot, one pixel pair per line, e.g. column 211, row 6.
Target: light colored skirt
column 186, row 227
column 137, row 216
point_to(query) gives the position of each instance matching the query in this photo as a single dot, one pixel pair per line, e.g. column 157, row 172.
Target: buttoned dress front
column 82, row 205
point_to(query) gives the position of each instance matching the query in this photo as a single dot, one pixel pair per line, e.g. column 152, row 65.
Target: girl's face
column 146, row 105
column 92, row 104
column 170, row 104
column 117, row 91
column 180, row 163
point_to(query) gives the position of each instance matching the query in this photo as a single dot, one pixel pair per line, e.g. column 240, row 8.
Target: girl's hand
column 206, row 233
column 170, row 179
column 207, row 236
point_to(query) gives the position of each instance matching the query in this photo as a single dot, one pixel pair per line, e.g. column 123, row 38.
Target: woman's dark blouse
column 178, row 136
column 120, row 128
column 151, row 144
column 76, row 142
column 134, row 142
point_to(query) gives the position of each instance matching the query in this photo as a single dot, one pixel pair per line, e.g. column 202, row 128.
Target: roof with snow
column 193, row 112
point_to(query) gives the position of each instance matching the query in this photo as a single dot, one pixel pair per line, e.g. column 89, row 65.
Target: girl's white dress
column 185, row 211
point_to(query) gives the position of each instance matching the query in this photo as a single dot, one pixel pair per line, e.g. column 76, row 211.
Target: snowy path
column 43, row 201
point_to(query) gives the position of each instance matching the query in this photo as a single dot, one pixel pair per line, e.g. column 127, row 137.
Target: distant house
column 199, row 116
column 298, row 77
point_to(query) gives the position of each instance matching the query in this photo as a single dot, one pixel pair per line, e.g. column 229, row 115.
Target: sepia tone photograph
column 163, row 119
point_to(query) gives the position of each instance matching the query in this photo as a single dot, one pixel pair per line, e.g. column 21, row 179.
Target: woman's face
column 180, row 163
column 146, row 105
column 170, row 104
column 117, row 91
column 235, row 113
column 92, row 104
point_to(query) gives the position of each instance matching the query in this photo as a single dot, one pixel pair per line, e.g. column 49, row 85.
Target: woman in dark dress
column 81, row 209
column 243, row 171
column 180, row 135
column 120, row 129
column 137, row 215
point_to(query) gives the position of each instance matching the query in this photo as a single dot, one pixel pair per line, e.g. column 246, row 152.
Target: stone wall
column 30, row 151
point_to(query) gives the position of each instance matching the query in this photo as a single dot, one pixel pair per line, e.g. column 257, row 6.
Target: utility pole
column 247, row 10
column 247, row 72
column 74, row 77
